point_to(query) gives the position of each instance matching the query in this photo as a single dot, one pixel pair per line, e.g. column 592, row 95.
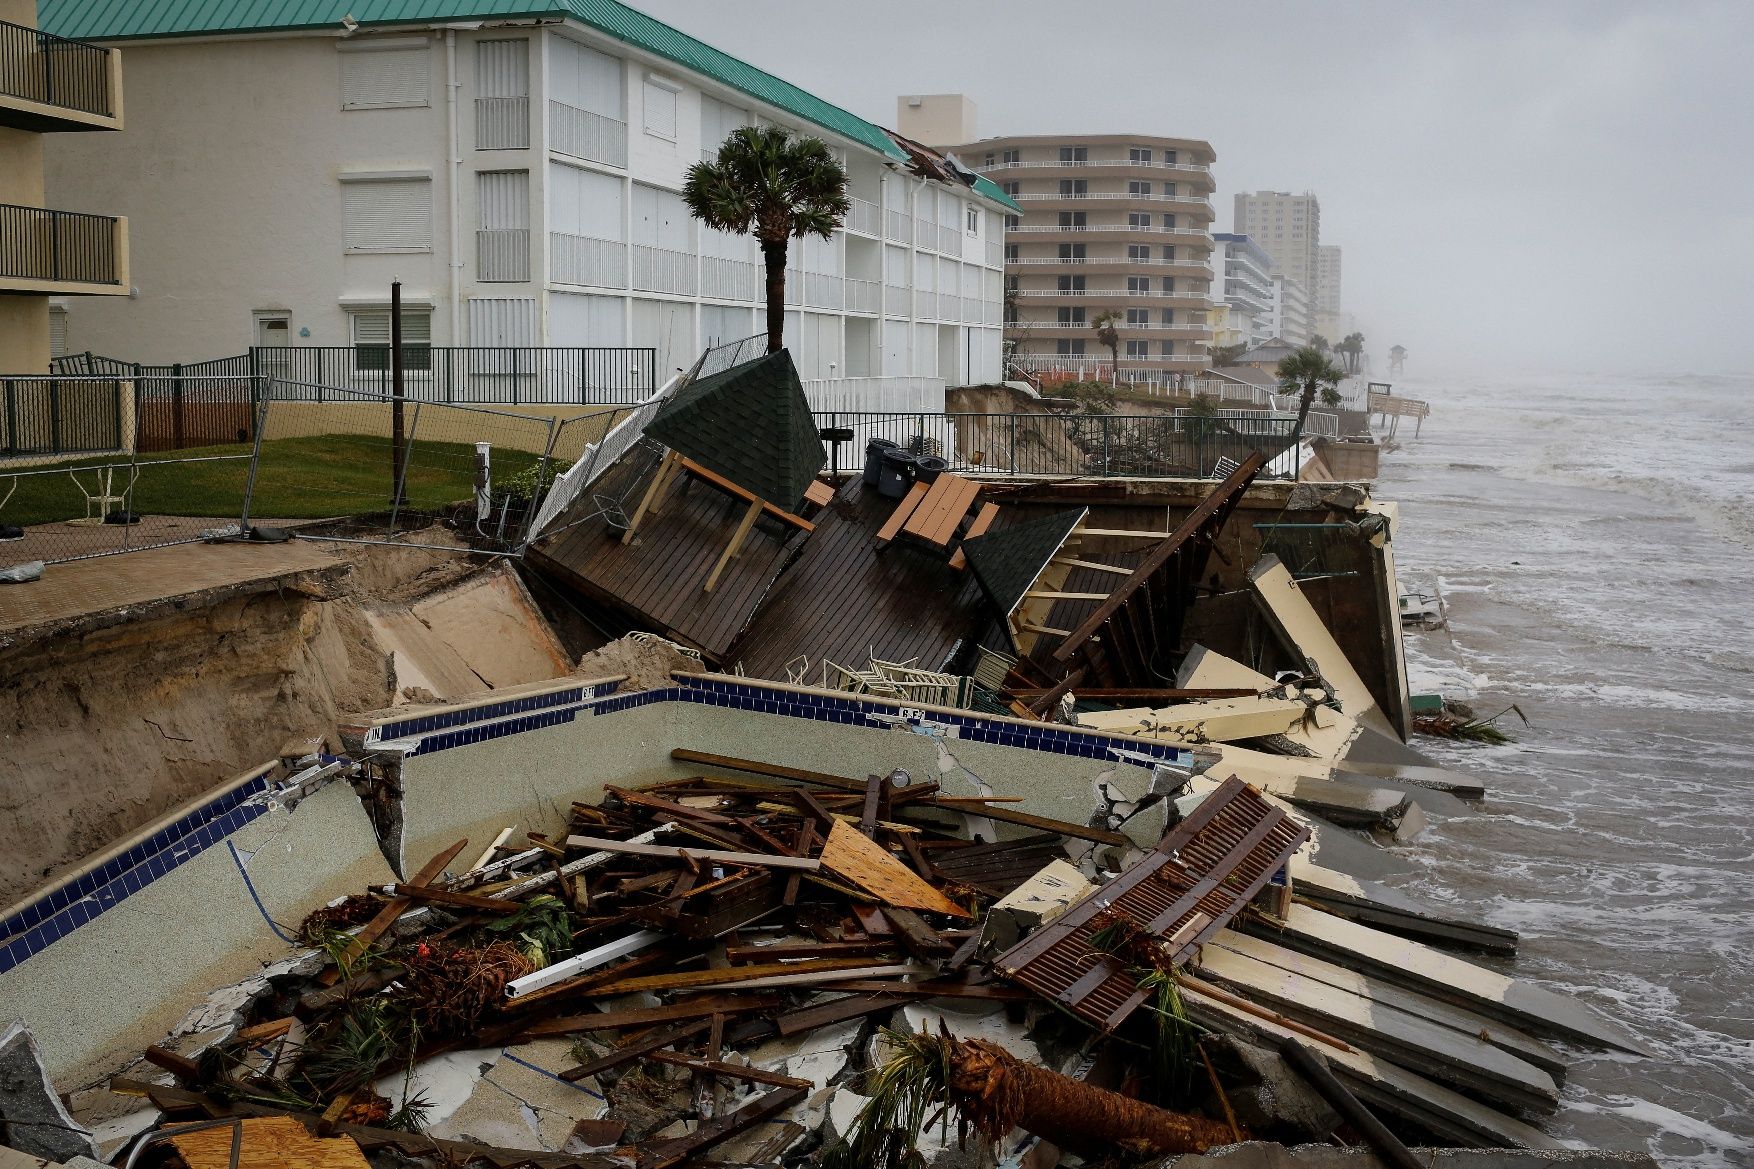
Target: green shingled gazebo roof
column 111, row 20
column 750, row 423
column 1006, row 562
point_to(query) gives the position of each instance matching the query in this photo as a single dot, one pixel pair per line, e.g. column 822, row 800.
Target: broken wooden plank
column 707, row 475
column 636, row 1047
column 666, row 1154
column 266, row 1142
column 436, row 896
column 386, row 917
column 699, row 1007
column 871, row 867
column 980, row 807
column 715, row 856
column 728, row 975
column 982, row 521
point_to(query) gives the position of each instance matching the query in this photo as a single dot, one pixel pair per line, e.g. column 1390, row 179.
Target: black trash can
column 928, row 467
column 896, row 474
column 874, row 459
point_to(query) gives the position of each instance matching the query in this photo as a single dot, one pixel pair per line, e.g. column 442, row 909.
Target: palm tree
column 1106, row 335
column 1353, row 347
column 1319, row 343
column 1223, row 355
column 1305, row 372
column 771, row 184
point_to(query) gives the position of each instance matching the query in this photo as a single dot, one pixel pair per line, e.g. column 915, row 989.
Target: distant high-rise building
column 1242, row 280
column 1291, row 316
column 1327, row 286
column 1111, row 222
column 1288, row 226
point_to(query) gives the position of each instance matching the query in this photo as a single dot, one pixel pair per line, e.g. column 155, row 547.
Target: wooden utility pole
column 398, row 453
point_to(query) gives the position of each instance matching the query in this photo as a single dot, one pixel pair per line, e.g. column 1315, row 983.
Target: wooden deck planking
column 843, row 600
column 657, row 580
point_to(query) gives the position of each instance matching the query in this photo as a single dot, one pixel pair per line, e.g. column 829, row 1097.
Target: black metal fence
column 1102, row 445
column 39, row 244
column 57, row 416
column 473, row 375
column 178, row 406
column 41, row 67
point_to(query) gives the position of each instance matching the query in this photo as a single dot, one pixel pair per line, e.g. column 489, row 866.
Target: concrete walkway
column 81, row 588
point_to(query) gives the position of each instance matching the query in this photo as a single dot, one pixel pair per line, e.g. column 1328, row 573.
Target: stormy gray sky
column 1549, row 185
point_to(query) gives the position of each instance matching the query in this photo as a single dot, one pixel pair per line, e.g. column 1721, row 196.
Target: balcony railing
column 730, row 279
column 502, row 123
column 577, row 259
column 1196, row 329
column 662, row 270
column 58, row 246
column 1116, row 227
column 1116, row 293
column 502, row 255
column 584, row 134
column 863, row 296
column 1192, row 168
column 864, row 217
column 1190, row 200
column 897, row 226
column 1059, row 260
column 822, row 290
column 40, row 67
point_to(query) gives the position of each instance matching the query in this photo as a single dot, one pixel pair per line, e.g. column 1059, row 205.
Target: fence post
column 177, row 405
column 450, row 373
column 1106, row 471
column 255, row 389
column 1014, row 444
column 54, row 417
column 515, row 375
column 12, row 444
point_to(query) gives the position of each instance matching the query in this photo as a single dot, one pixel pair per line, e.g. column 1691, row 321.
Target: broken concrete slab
column 1039, row 900
column 32, row 1118
column 1389, row 909
column 1302, row 629
column 1268, row 1097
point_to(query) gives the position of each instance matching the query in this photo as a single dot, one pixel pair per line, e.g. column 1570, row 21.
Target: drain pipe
column 456, row 161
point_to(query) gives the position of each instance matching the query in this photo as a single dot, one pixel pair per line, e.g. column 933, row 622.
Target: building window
column 1013, row 188
column 1010, row 253
column 1072, row 154
column 1138, row 318
column 1169, row 189
column 1138, row 284
column 660, row 107
column 1071, row 284
column 1138, row 187
column 1068, row 347
column 1169, row 252
column 1138, row 349
column 1169, row 223
column 1169, row 348
column 1139, row 219
column 1139, row 253
column 989, row 158
column 1169, row 157
column 371, row 338
column 1169, row 284
column 972, row 217
column 1071, row 220
column 1139, row 154
column 1013, row 222
column 1071, row 314
column 1169, row 316
column 387, row 214
column 391, row 74
column 1074, row 188
column 1011, row 156
column 1071, row 251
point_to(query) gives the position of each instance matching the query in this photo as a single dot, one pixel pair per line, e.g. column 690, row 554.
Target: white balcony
column 662, row 270
column 1196, row 330
column 583, row 134
column 863, row 296
column 1114, row 294
column 1186, row 167
column 823, row 291
column 577, row 259
column 925, row 305
column 897, row 226
column 795, row 287
column 1187, row 231
column 995, row 254
column 502, row 123
column 1189, row 200
column 864, row 217
column 730, row 279
column 1119, row 260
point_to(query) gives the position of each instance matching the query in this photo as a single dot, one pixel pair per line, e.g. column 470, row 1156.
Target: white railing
column 577, row 259
column 823, row 291
column 1117, row 227
column 502, row 254
column 1197, row 330
column 925, row 304
column 873, row 394
column 972, row 310
column 863, row 296
column 863, row 217
column 1059, row 260
column 1116, row 293
column 950, row 241
column 795, row 286
column 1075, row 197
column 730, row 279
column 583, row 134
column 897, row 300
column 597, row 458
column 1088, row 367
column 662, row 270
column 926, row 234
column 897, row 226
column 502, row 123
column 995, row 254
column 1189, row 167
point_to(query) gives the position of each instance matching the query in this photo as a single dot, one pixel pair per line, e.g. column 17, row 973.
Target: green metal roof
column 104, row 20
column 750, row 423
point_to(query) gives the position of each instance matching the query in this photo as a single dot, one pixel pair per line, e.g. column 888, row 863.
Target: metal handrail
column 56, row 71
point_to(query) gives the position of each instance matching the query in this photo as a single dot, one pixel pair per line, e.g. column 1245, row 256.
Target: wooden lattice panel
column 1186, row 889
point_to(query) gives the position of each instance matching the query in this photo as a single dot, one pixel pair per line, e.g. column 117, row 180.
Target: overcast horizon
column 1481, row 167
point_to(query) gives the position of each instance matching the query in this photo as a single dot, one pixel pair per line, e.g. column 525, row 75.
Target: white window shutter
column 386, row 78
column 387, row 215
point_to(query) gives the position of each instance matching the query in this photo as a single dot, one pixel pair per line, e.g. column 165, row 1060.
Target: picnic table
column 933, row 512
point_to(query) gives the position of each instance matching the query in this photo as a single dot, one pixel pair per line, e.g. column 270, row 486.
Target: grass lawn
column 299, row 478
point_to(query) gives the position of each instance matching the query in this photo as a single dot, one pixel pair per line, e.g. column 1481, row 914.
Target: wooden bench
column 982, row 521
